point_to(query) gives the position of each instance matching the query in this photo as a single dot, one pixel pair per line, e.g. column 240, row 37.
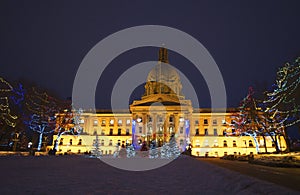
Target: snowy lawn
column 82, row 175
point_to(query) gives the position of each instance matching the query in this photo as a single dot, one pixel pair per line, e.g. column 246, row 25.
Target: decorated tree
column 6, row 118
column 153, row 152
column 67, row 122
column 130, row 152
column 251, row 120
column 170, row 150
column 41, row 125
column 41, row 109
column 283, row 102
column 9, row 135
column 117, row 151
column 96, row 151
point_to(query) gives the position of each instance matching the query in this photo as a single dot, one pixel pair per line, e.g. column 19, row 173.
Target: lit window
column 216, row 143
column 206, row 143
column 128, row 122
column 103, row 122
column 150, row 130
column 181, row 119
column 223, row 121
column 170, row 129
column 139, row 120
column 160, row 128
column 81, row 121
column 112, row 121
column 95, row 122
column 120, row 122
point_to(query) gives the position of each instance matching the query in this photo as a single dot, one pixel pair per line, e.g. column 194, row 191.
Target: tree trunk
column 275, row 143
column 41, row 138
column 40, row 141
column 56, row 142
column 287, row 141
column 265, row 144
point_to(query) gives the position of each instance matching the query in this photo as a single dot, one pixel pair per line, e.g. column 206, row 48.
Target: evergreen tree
column 96, row 151
column 117, row 151
column 153, row 152
column 170, row 150
column 130, row 151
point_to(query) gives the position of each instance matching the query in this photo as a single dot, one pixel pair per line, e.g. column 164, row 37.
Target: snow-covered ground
column 81, row 175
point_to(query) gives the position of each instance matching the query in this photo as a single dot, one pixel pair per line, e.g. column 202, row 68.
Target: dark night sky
column 249, row 40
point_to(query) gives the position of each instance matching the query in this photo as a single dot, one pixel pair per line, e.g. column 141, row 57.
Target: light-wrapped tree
column 96, row 151
column 283, row 102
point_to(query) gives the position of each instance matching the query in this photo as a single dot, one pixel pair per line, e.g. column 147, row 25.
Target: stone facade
column 163, row 112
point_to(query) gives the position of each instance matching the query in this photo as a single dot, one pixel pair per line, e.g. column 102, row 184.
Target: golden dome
column 163, row 78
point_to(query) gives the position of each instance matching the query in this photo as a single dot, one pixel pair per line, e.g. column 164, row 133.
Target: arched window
column 216, row 143
column 224, row 143
column 171, row 130
column 250, row 143
column 197, row 131
column 206, row 144
column 197, row 143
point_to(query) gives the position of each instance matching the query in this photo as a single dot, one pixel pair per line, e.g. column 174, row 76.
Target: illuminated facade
column 162, row 112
